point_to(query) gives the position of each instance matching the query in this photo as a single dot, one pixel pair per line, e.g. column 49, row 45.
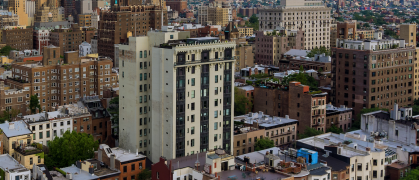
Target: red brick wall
column 162, row 170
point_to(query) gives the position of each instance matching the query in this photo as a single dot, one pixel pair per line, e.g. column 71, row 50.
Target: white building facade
column 313, row 17
column 183, row 95
column 85, row 49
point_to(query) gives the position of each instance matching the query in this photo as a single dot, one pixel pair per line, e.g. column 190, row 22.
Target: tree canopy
column 303, row 78
column 73, row 146
column 6, row 50
column 412, row 175
column 320, row 50
column 7, row 115
column 242, row 105
column 309, row 132
column 263, row 143
column 144, row 174
column 334, row 129
column 34, row 103
column 390, row 33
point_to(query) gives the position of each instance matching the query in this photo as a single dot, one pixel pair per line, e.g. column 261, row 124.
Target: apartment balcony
column 317, row 124
column 282, row 134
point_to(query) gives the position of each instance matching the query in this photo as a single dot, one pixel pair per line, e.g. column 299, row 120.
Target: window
column 133, row 167
column 125, row 168
column 215, row 125
column 171, row 36
column 215, row 114
column 359, row 167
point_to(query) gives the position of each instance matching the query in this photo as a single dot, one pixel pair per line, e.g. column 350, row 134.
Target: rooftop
column 81, row 174
column 15, row 128
column 121, row 154
column 330, row 109
column 297, row 52
column 7, row 162
column 265, row 121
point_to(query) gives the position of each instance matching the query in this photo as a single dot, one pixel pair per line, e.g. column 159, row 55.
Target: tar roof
column 19, row 128
column 319, row 171
column 335, row 164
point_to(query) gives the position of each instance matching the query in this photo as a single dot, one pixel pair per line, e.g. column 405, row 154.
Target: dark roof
column 319, row 171
column 314, row 166
column 336, row 164
column 49, row 177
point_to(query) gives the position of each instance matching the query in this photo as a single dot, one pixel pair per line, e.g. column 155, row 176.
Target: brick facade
column 295, row 101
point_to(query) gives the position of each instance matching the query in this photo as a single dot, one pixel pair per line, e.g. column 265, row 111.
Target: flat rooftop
column 123, row 155
column 11, row 164
column 17, row 128
column 329, row 139
column 392, row 145
column 265, row 121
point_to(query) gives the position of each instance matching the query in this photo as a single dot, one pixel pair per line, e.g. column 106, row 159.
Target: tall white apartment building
column 177, row 94
column 313, row 17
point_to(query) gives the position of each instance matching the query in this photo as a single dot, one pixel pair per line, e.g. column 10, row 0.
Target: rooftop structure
column 13, row 168
column 265, row 121
column 15, row 128
column 90, row 169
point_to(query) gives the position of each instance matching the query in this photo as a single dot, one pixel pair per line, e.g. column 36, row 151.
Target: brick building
column 130, row 164
column 341, row 117
column 13, row 98
column 372, row 73
column 270, row 46
column 248, row 12
column 41, row 39
column 18, row 37
column 177, row 5
column 85, row 20
column 115, row 26
column 245, row 139
column 295, row 100
column 88, row 33
column 207, row 31
column 98, row 124
column 162, row 170
column 67, row 39
column 281, row 130
column 318, row 62
column 62, row 81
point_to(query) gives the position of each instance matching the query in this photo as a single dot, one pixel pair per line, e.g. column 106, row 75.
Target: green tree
column 358, row 26
column 242, row 105
column 412, row 175
column 34, row 103
column 264, row 143
column 253, row 19
column 144, row 175
column 334, row 129
column 390, row 33
column 6, row 50
column 366, row 25
column 320, row 50
column 340, row 19
column 303, row 78
column 240, row 15
column 114, row 112
column 65, row 151
column 309, row 132
column 8, row 115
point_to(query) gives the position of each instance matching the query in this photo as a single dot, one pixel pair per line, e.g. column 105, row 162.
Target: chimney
column 69, row 176
column 78, row 164
column 99, row 154
column 91, row 170
column 44, row 177
column 368, row 149
column 11, row 125
column 37, row 110
column 112, row 161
